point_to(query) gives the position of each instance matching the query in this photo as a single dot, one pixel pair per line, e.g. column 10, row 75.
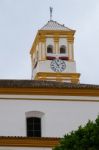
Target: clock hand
column 57, row 64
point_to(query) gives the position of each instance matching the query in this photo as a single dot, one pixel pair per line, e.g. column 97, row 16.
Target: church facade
column 36, row 113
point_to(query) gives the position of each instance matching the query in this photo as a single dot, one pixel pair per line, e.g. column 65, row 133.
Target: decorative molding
column 72, row 77
column 57, row 32
column 56, row 39
column 28, row 142
column 51, row 91
column 49, row 99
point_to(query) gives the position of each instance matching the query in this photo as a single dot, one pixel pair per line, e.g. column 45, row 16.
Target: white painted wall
column 49, row 41
column 63, row 41
column 71, row 51
column 61, row 115
column 44, row 66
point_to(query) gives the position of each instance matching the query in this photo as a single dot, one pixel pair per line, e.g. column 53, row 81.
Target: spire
column 51, row 13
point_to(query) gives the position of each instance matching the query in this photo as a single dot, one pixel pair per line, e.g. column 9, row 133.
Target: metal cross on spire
column 51, row 13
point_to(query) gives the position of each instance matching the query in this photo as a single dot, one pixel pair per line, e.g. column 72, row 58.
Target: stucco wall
column 44, row 66
column 61, row 113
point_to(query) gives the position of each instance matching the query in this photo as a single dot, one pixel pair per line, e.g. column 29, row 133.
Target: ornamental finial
column 51, row 13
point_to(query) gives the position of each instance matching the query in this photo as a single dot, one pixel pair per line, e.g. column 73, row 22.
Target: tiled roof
column 53, row 25
column 43, row 84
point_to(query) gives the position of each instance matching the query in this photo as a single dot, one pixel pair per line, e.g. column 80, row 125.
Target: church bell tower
column 52, row 54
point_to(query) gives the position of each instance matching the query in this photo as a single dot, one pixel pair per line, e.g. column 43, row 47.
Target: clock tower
column 52, row 54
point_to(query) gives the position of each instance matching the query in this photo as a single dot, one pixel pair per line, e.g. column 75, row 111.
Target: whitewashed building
column 35, row 113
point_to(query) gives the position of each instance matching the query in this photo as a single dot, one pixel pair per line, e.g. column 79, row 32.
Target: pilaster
column 70, row 40
column 56, row 44
column 43, row 48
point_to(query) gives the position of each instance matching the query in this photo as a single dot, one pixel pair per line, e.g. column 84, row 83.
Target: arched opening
column 34, row 123
column 49, row 49
column 33, row 126
column 63, row 49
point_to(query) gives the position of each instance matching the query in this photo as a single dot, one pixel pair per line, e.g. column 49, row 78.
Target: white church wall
column 41, row 67
column 63, row 41
column 49, row 41
column 61, row 113
column 71, row 51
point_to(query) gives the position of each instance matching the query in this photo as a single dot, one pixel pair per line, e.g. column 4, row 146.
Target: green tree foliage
column 85, row 138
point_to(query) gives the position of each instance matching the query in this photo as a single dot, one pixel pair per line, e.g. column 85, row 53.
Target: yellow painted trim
column 34, row 44
column 56, row 42
column 28, row 142
column 54, row 49
column 72, row 77
column 68, row 50
column 43, row 59
column 59, row 74
column 41, row 35
column 45, row 49
column 57, row 32
column 51, row 91
column 72, row 52
column 70, row 40
column 58, row 50
column 41, row 51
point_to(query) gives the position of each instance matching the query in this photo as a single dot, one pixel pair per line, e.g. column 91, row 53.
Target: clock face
column 58, row 65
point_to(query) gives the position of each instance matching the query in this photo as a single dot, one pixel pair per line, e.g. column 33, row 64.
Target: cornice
column 51, row 91
column 72, row 32
column 73, row 77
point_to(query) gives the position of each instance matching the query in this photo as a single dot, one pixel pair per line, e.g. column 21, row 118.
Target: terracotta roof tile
column 43, row 84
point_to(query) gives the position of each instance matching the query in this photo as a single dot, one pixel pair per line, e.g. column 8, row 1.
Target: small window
column 34, row 127
column 49, row 49
column 63, row 49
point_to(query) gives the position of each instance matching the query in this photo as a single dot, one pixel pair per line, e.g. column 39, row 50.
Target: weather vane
column 51, row 13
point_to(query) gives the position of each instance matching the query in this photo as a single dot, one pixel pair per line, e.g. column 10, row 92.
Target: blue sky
column 20, row 20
